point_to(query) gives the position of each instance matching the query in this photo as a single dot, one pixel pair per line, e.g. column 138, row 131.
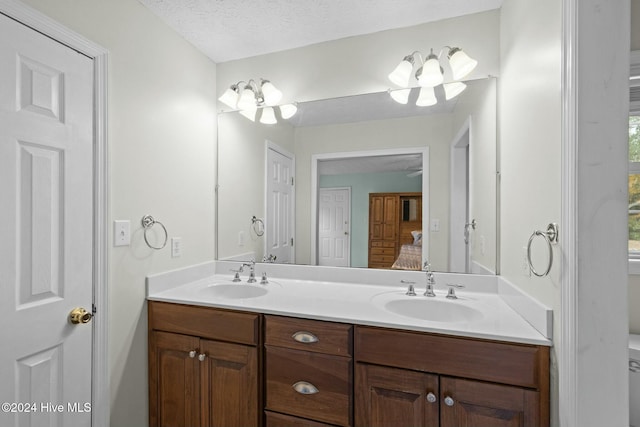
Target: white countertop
column 362, row 304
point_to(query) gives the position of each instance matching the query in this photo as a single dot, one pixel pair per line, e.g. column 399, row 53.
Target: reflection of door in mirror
column 279, row 201
column 334, row 218
column 395, row 221
column 460, row 249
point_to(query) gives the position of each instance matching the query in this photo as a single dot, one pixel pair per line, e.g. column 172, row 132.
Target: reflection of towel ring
column 147, row 223
column 258, row 226
column 550, row 236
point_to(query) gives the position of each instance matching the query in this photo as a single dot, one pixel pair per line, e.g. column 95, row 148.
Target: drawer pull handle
column 192, row 354
column 305, row 337
column 431, row 398
column 304, row 387
column 449, row 401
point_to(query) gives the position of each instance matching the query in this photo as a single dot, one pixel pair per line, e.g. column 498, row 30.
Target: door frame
column 270, row 145
column 348, row 189
column 459, row 158
column 316, row 158
column 100, row 393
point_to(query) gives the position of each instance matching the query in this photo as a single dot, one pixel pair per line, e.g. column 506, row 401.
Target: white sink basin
column 433, row 310
column 235, row 290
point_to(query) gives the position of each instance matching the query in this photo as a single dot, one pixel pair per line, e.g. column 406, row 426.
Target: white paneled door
column 46, row 229
column 334, row 236
column 279, row 196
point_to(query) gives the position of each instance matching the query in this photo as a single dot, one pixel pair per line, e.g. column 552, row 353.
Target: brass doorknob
column 80, row 315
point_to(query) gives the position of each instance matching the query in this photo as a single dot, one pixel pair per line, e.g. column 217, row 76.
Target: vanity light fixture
column 430, row 73
column 249, row 97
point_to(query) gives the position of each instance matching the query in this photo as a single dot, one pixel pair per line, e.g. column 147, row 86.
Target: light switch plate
column 121, row 232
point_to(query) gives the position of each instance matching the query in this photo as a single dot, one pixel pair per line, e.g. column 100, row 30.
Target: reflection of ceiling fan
column 414, row 173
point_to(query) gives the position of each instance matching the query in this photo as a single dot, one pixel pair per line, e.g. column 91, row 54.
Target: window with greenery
column 634, row 186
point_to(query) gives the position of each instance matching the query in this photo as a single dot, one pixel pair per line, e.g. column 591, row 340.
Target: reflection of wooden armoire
column 392, row 217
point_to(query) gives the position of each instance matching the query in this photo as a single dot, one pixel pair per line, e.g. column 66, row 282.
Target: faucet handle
column 452, row 290
column 411, row 290
column 264, row 280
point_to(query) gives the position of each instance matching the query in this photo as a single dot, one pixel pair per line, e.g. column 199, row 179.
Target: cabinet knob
column 201, row 357
column 431, row 398
column 449, row 401
column 192, row 354
column 304, row 387
column 305, row 337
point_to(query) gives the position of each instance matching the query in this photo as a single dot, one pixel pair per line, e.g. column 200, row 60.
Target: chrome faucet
column 252, row 273
column 431, row 281
column 452, row 290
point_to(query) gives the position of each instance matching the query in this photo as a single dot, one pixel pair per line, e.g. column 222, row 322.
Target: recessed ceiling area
column 226, row 30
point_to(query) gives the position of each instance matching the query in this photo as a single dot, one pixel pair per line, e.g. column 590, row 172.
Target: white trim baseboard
column 32, row 18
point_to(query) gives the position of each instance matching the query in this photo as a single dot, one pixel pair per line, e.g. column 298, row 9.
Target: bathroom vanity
column 231, row 361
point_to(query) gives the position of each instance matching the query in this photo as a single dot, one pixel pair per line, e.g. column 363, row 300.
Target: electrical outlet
column 176, row 247
column 121, row 233
column 435, row 225
column 241, row 238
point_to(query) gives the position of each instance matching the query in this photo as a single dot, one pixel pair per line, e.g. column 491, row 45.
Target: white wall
column 241, row 143
column 161, row 138
column 358, row 65
column 432, row 131
column 530, row 146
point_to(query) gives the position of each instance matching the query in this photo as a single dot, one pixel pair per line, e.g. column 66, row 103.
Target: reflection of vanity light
column 427, row 97
column 401, row 96
column 430, row 74
column 253, row 96
column 288, row 110
column 268, row 116
column 451, row 90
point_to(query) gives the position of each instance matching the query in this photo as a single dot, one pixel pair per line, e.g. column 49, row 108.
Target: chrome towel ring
column 258, row 226
column 550, row 236
column 147, row 223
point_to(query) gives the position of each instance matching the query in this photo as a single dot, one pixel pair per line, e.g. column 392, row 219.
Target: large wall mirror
column 365, row 182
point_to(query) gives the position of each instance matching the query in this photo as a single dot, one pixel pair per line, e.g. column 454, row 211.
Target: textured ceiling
column 233, row 29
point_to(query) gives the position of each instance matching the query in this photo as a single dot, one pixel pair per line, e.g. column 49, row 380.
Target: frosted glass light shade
column 402, row 73
column 451, row 90
column 271, row 94
column 400, row 96
column 247, row 99
column 268, row 116
column 431, row 74
column 250, row 113
column 427, row 97
column 288, row 110
column 461, row 64
column 229, row 98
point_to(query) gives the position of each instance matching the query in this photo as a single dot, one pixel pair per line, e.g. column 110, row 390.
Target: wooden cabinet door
column 395, row 397
column 478, row 404
column 174, row 381
column 390, row 223
column 376, row 217
column 230, row 385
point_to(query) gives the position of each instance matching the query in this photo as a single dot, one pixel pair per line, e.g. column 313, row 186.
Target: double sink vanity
column 326, row 346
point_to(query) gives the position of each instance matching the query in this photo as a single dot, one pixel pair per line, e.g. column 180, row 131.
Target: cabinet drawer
column 515, row 364
column 280, row 420
column 382, row 244
column 326, row 397
column 205, row 322
column 309, row 335
column 383, row 251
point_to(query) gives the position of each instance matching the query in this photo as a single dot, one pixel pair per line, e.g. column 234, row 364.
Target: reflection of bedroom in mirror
column 334, row 144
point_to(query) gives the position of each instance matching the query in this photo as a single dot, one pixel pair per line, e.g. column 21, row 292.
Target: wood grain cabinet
column 203, row 367
column 392, row 217
column 413, row 379
column 308, row 372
